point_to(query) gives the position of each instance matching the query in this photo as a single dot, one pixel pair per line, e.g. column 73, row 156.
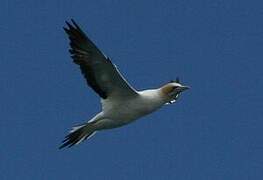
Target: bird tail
column 78, row 134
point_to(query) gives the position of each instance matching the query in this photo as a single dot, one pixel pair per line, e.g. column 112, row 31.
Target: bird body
column 127, row 110
column 121, row 103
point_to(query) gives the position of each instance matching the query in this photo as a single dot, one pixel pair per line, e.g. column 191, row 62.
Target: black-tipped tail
column 78, row 134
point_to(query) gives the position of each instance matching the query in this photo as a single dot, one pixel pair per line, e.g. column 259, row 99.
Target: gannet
column 121, row 103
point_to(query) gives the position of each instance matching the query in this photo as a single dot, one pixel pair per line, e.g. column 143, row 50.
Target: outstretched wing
column 100, row 73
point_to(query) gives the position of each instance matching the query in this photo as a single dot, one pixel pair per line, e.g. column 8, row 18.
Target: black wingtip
column 72, row 26
column 68, row 24
column 73, row 21
column 76, row 25
column 61, row 147
column 66, row 143
column 67, row 28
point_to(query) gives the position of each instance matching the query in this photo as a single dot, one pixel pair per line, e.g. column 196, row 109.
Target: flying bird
column 121, row 103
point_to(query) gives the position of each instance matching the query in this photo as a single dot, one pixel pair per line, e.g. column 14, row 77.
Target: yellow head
column 172, row 90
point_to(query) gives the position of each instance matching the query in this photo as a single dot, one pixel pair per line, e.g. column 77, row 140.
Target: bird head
column 172, row 90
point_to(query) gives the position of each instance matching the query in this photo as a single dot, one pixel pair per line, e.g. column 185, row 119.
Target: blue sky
column 213, row 132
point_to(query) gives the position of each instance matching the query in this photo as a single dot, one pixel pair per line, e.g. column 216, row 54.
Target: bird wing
column 100, row 73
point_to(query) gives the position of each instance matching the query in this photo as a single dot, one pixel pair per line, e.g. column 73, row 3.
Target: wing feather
column 100, row 73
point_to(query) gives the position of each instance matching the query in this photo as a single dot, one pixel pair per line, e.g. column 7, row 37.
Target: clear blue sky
column 213, row 132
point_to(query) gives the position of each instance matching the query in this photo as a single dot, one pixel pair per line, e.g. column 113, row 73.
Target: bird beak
column 183, row 88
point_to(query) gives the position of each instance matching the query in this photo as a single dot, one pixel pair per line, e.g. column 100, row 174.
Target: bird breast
column 131, row 109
